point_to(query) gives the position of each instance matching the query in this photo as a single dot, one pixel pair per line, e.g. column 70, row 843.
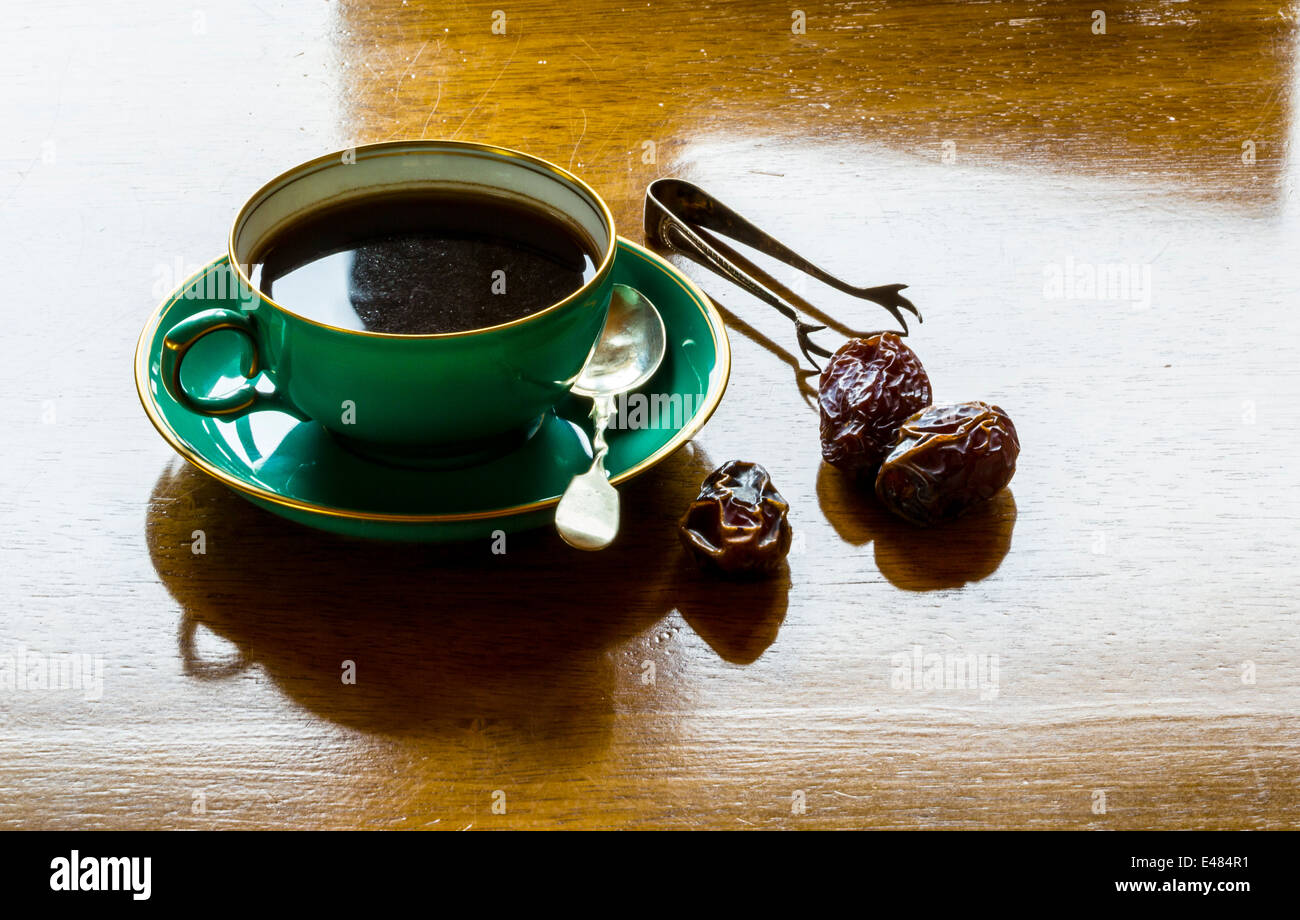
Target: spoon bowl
column 630, row 348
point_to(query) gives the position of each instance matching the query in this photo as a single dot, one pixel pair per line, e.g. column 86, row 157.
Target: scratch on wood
column 415, row 60
column 580, row 137
column 425, row 129
column 397, row 87
column 474, row 108
column 585, row 64
column 605, row 143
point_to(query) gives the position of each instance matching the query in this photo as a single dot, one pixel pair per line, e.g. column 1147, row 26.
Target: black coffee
column 422, row 262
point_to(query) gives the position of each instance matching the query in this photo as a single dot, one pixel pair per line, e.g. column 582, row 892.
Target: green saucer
column 297, row 470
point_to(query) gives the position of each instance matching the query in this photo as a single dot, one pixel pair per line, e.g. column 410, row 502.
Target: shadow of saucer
column 443, row 638
column 441, row 635
column 917, row 558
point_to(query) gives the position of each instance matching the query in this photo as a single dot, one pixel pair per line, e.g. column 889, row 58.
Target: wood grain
column 1137, row 583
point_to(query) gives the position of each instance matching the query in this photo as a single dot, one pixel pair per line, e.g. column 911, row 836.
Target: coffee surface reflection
column 429, row 262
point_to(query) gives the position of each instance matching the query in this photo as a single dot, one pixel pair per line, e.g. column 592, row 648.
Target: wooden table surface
column 1137, row 586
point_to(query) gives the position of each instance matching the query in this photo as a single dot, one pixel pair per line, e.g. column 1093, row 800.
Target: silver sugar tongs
column 675, row 208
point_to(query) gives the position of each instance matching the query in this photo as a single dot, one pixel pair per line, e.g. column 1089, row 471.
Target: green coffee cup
column 406, row 398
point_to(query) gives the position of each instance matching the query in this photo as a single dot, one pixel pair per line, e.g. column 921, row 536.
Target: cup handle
column 183, row 336
column 196, row 666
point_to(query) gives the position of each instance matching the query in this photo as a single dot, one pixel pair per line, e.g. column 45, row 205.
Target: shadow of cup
column 441, row 638
column 918, row 558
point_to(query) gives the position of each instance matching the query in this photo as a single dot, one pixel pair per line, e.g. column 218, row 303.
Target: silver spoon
column 630, row 350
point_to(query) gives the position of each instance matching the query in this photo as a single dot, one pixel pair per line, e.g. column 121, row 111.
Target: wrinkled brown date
column 868, row 388
column 738, row 523
column 948, row 459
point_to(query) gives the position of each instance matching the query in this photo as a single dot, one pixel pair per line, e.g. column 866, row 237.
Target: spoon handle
column 602, row 410
column 587, row 516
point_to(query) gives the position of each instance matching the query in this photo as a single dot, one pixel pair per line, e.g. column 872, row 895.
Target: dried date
column 946, row 460
column 738, row 523
column 868, row 388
